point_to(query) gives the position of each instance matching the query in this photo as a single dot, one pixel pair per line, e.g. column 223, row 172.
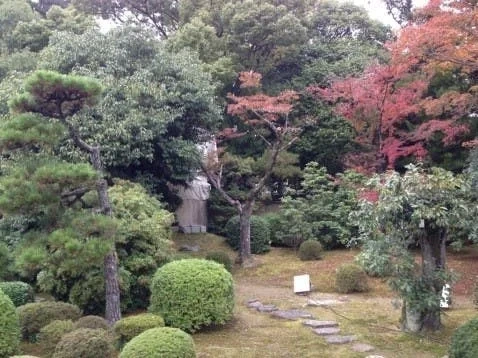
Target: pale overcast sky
column 378, row 11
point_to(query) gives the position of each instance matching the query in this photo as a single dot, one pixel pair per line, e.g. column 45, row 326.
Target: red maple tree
column 267, row 117
column 390, row 106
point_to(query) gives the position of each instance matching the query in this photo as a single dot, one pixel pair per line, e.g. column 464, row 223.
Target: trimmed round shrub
column 310, row 250
column 193, row 293
column 93, row 322
column 34, row 316
column 260, row 234
column 9, row 327
column 163, row 342
column 85, row 343
column 351, row 278
column 127, row 328
column 19, row 292
column 464, row 342
column 51, row 334
column 221, row 258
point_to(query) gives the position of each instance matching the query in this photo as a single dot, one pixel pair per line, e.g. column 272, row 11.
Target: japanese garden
column 238, row 178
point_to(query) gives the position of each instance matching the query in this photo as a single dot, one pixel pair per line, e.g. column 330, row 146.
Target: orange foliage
column 388, row 105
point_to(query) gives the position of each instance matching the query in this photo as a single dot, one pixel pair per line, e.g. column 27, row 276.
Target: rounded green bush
column 93, row 322
column 34, row 316
column 221, row 258
column 127, row 328
column 192, row 293
column 464, row 342
column 310, row 250
column 19, row 292
column 51, row 334
column 85, row 343
column 260, row 234
column 163, row 342
column 351, row 278
column 9, row 327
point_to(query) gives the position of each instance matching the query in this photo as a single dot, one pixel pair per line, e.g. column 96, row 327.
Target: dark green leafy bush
column 274, row 223
column 93, row 322
column 375, row 258
column 190, row 294
column 34, row 316
column 127, row 328
column 351, row 278
column 6, row 260
column 260, row 234
column 160, row 343
column 221, row 258
column 9, row 327
column 310, row 250
column 51, row 334
column 464, row 342
column 85, row 343
column 319, row 210
column 19, row 292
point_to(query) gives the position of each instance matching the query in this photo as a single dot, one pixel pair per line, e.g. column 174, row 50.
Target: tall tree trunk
column 113, row 308
column 433, row 250
column 245, row 233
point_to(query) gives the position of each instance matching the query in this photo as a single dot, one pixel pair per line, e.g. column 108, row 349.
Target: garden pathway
column 329, row 330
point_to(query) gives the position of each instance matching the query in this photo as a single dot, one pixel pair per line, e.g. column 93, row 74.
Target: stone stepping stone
column 340, row 339
column 319, row 324
column 327, row 331
column 362, row 347
column 253, row 304
column 292, row 315
column 267, row 308
column 374, row 356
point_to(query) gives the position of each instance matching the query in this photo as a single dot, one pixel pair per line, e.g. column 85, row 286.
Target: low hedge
column 85, row 343
column 127, row 328
column 163, row 342
column 9, row 327
column 19, row 292
column 351, row 278
column 193, row 293
column 52, row 333
column 93, row 322
column 34, row 316
column 260, row 234
column 464, row 342
column 310, row 250
column 221, row 258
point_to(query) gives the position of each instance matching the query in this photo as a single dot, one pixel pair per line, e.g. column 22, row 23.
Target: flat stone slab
column 319, row 324
column 340, row 339
column 254, row 304
column 362, row 347
column 267, row 308
column 374, row 356
column 291, row 314
column 327, row 331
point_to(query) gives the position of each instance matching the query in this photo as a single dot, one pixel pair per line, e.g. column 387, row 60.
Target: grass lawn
column 371, row 316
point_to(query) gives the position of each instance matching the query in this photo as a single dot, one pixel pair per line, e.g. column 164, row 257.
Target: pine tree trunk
column 433, row 250
column 113, row 309
column 245, row 234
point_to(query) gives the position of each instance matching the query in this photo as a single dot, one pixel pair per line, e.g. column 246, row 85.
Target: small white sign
column 445, row 297
column 301, row 283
